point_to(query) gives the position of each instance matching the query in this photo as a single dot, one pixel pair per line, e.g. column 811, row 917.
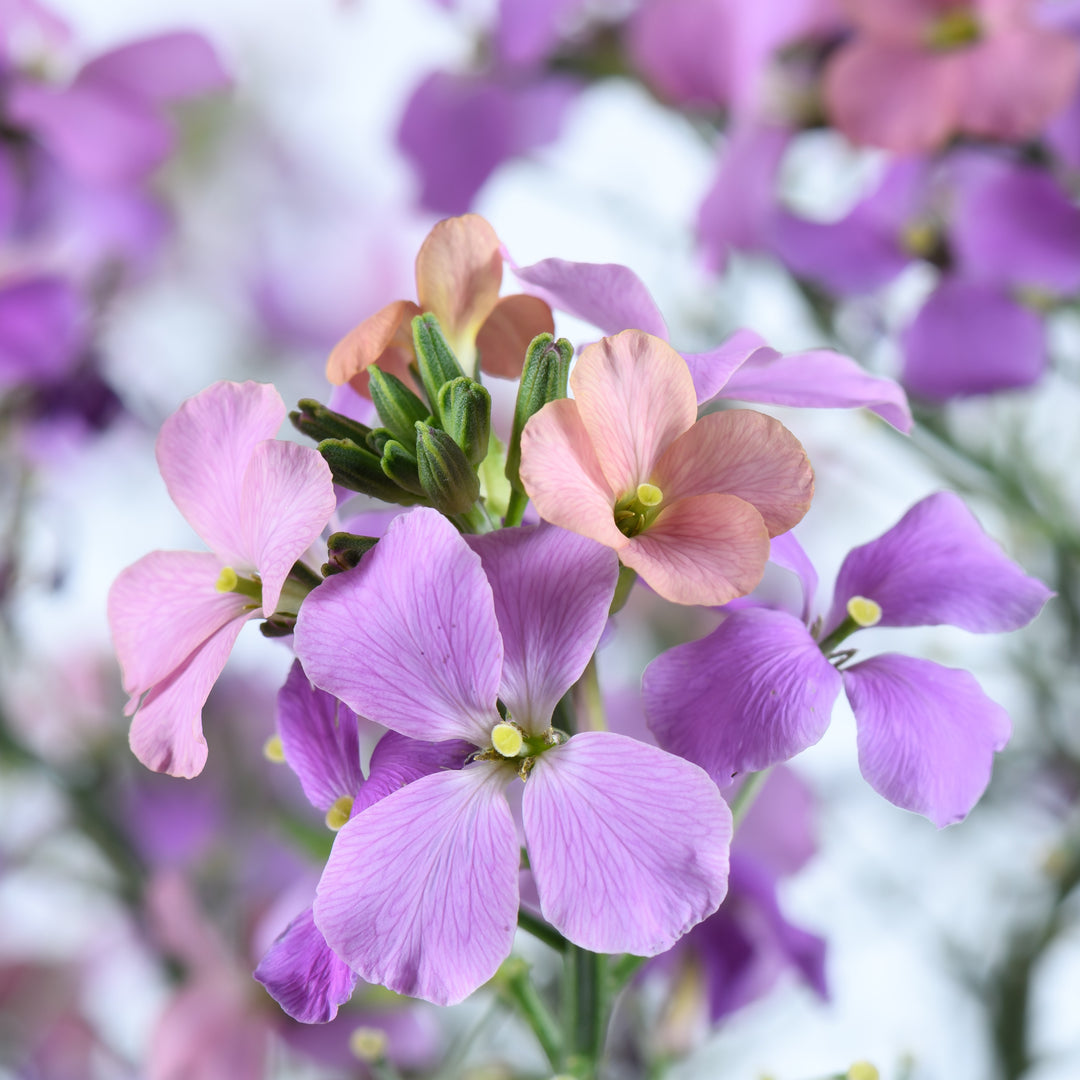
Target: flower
column 760, row 688
column 458, row 273
column 628, row 844
column 689, row 504
column 258, row 503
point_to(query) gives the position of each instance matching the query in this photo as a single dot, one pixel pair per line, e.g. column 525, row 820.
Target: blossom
column 258, row 503
column 628, row 845
column 689, row 504
column 458, row 274
column 761, row 687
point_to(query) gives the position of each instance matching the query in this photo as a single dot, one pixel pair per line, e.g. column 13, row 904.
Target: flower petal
column 635, row 396
column 397, row 761
column 504, row 338
column 420, row 893
column 203, row 452
column 389, row 329
column 744, row 453
column 936, row 566
column 711, row 369
column 786, row 552
column 927, row 734
column 552, row 593
column 43, row 324
column 754, row 692
column 303, row 975
column 628, row 844
column 409, row 638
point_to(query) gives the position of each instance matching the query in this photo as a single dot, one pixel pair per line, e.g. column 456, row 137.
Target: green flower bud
column 448, row 479
column 399, row 463
column 398, row 407
column 434, row 357
column 358, row 469
column 543, row 379
column 465, row 408
column 345, row 550
column 318, row 422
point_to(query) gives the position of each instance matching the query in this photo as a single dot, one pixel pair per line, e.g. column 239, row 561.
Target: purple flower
column 628, row 844
column 761, row 687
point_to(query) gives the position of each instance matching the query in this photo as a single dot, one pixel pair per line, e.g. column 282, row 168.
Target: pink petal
column 420, row 893
column 707, row 549
column 561, row 473
column 203, row 452
column 628, row 844
column 286, row 499
column 504, row 338
column 387, row 330
column 635, row 396
column 744, row 453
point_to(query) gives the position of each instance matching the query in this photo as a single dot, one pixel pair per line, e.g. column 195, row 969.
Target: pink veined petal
column 628, row 844
column 754, row 692
column 744, row 453
column 635, row 396
column 161, row 609
column 927, row 734
column 420, row 893
column 363, row 345
column 504, row 338
column 785, row 551
column 707, row 549
column 561, row 473
column 286, row 498
column 711, row 370
column 409, row 638
column 166, row 733
column 552, row 591
column 896, row 20
column 458, row 274
column 203, row 452
column 397, row 761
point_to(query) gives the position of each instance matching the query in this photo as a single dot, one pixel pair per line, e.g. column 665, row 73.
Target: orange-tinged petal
column 707, row 549
column 507, row 331
column 365, row 344
column 636, row 396
column 745, row 453
column 562, row 476
column 458, row 274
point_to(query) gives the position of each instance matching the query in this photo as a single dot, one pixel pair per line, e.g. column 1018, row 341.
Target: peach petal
column 707, row 549
column 365, row 344
column 561, row 473
column 745, row 453
column 635, row 395
column 458, row 274
column 507, row 331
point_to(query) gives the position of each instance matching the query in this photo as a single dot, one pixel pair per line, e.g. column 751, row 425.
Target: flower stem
column 591, row 702
column 585, row 1011
column 745, row 796
column 518, row 988
column 541, row 930
column 515, row 508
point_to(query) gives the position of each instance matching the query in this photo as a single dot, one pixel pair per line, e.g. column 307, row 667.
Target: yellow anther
column 368, row 1044
column 338, row 814
column 863, row 1070
column 864, row 612
column 954, row 30
column 649, row 495
column 273, row 750
column 227, row 580
column 919, row 238
column 507, row 739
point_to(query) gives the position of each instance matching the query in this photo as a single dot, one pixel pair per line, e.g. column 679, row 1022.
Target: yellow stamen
column 919, row 238
column 227, row 580
column 273, row 750
column 338, row 814
column 507, row 739
column 368, row 1044
column 864, row 612
column 649, row 495
column 863, row 1070
column 954, row 30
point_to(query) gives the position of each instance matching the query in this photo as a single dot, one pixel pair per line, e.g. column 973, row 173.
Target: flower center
column 338, row 814
column 507, row 739
column 230, row 581
column 954, row 30
column 864, row 612
column 636, row 511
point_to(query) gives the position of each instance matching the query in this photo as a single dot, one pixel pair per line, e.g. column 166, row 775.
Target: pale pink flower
column 689, row 504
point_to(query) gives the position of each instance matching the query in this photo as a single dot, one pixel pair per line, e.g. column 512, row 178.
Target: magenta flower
column 258, row 503
column 628, row 845
column 761, row 687
column 689, row 504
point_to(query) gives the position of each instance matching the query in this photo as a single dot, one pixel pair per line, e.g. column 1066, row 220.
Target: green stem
column 591, row 703
column 518, row 988
column 541, row 930
column 624, row 968
column 515, row 508
column 585, row 1010
column 745, row 796
column 843, row 631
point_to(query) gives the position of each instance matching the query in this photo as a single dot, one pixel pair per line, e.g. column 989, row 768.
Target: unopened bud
column 358, row 469
column 436, row 360
column 345, row 550
column 399, row 463
column 448, row 479
column 465, row 408
column 398, row 407
column 543, row 379
column 318, row 423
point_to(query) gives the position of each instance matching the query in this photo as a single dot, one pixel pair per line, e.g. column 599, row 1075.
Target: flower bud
column 465, row 408
column 399, row 463
column 398, row 407
column 448, row 479
column 434, row 357
column 358, row 469
column 543, row 379
column 345, row 550
column 318, row 422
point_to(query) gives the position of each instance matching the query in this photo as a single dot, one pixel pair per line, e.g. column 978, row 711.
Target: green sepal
column 398, row 407
column 399, row 463
column 543, row 379
column 465, row 408
column 377, row 439
column 358, row 469
column 345, row 550
column 434, row 358
column 448, row 479
column 278, row 626
column 318, row 422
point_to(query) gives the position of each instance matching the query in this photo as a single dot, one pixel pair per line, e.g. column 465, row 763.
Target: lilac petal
column 166, row 67
column 420, row 893
column 818, row 379
column 972, row 338
column 303, row 975
column 778, row 830
column 712, row 369
column 526, row 32
column 204, row 450
column 42, row 329
column 628, row 844
column 409, row 638
column 552, row 593
column 397, row 761
column 755, row 691
column 610, row 296
column 927, row 734
column 786, row 552
column 936, row 566
column 321, row 739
